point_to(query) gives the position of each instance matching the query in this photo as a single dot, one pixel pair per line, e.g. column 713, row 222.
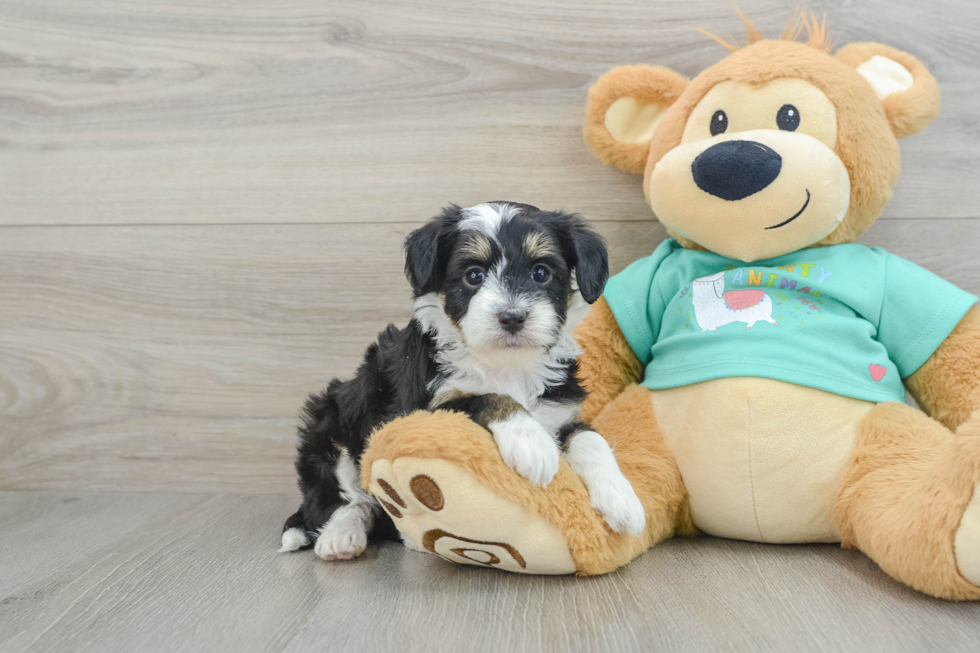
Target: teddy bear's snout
column 733, row 170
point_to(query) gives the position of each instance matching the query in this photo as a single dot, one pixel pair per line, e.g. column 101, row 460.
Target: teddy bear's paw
column 967, row 541
column 527, row 448
column 442, row 508
column 409, row 543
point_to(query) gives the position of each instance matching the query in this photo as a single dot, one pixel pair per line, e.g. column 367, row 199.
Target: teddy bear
column 749, row 374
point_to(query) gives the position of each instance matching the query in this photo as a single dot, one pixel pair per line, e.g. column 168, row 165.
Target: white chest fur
column 553, row 415
column 465, row 373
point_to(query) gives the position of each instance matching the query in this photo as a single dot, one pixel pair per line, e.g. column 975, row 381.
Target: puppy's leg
column 525, row 445
column 316, row 466
column 613, row 497
column 345, row 534
column 294, row 533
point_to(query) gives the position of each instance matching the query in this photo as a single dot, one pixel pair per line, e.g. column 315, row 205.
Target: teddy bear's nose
column 733, row 170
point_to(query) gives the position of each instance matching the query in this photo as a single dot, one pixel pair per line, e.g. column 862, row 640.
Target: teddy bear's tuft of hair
column 816, row 31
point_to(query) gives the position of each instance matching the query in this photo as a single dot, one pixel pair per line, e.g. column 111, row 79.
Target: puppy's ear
column 589, row 258
column 427, row 250
column 908, row 92
column 625, row 105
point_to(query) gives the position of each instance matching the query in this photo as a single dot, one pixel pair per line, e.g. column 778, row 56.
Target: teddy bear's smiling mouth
column 795, row 215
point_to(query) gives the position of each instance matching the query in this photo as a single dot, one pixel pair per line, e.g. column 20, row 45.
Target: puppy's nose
column 733, row 170
column 512, row 319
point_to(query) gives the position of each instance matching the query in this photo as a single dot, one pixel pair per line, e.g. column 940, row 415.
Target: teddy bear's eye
column 719, row 123
column 788, row 118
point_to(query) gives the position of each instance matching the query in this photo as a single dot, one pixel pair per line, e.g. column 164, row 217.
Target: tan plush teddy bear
column 750, row 373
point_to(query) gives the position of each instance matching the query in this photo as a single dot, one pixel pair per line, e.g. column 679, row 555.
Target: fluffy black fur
column 392, row 381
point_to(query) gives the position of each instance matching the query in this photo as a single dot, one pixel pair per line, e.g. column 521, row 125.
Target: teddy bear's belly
column 761, row 459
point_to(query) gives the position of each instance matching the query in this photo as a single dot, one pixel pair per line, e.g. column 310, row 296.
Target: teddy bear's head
column 777, row 147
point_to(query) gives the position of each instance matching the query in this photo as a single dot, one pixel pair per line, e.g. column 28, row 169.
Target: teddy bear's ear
column 624, row 108
column 908, row 92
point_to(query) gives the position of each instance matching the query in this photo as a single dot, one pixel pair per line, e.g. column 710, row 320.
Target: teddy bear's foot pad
column 967, row 542
column 442, row 508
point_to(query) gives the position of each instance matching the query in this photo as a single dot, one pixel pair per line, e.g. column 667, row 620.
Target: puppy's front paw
column 614, row 498
column 527, row 447
column 341, row 543
column 610, row 492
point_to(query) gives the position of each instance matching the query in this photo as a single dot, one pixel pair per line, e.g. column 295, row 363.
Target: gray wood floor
column 201, row 209
column 199, row 572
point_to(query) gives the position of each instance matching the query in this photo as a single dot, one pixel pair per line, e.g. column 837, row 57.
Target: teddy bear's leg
column 909, row 500
column 442, row 480
column 630, row 426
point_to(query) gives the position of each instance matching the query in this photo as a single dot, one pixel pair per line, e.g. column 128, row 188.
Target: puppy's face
column 506, row 274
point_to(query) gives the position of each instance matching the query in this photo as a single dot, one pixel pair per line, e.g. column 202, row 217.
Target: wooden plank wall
column 202, row 203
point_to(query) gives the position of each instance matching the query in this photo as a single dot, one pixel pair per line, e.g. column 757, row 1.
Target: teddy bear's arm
column 607, row 364
column 947, row 386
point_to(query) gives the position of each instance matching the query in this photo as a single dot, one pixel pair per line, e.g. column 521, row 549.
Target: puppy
column 493, row 287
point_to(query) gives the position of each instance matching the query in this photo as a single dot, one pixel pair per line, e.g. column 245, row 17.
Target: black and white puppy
column 493, row 287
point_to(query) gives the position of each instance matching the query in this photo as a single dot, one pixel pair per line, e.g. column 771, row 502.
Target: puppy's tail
column 294, row 534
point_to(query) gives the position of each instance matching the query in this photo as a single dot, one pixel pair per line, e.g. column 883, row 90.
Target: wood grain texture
column 167, row 572
column 201, row 212
column 153, row 356
column 175, row 358
column 169, row 112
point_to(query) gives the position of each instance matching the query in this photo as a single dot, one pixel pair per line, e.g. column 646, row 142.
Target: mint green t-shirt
column 848, row 319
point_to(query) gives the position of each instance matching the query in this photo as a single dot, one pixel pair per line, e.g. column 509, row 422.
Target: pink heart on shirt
column 877, row 372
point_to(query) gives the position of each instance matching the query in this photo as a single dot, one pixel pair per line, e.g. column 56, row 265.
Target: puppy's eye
column 474, row 277
column 788, row 118
column 719, row 123
column 540, row 273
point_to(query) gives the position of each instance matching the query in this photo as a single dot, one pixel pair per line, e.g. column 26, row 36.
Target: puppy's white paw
column 614, row 498
column 610, row 492
column 293, row 539
column 527, row 447
column 341, row 542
